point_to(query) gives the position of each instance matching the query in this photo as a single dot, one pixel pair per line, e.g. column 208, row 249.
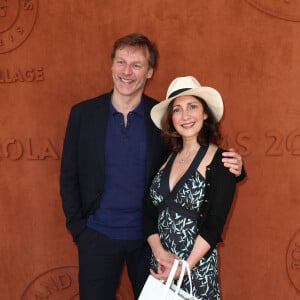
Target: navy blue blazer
column 83, row 161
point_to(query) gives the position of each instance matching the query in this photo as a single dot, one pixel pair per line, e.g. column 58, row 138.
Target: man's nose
column 127, row 69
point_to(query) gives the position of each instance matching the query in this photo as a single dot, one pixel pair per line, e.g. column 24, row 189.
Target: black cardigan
column 219, row 193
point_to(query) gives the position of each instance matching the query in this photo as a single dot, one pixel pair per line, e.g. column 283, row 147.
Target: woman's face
column 188, row 116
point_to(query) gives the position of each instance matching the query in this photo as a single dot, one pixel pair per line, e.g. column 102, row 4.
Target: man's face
column 130, row 70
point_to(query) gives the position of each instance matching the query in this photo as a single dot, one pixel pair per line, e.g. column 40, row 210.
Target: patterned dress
column 177, row 225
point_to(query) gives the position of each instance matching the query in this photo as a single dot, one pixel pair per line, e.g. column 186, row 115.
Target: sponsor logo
column 22, row 75
column 58, row 283
column 17, row 18
column 293, row 260
column 288, row 10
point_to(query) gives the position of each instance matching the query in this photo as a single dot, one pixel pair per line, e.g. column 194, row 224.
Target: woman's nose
column 185, row 113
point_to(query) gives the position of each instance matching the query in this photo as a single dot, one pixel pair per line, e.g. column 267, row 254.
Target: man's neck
column 125, row 104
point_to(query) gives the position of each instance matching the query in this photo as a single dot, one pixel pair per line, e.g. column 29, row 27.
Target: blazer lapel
column 100, row 117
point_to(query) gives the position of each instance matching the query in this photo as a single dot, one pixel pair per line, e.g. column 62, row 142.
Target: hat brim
column 210, row 95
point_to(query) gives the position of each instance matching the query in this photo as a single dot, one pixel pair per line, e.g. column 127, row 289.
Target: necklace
column 187, row 156
column 183, row 160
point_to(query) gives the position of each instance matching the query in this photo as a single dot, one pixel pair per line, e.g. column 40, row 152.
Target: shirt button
column 201, row 215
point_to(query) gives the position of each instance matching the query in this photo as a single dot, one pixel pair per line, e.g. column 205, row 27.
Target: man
column 111, row 152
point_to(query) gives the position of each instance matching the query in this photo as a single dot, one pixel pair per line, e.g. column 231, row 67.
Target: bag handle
column 171, row 275
column 184, row 267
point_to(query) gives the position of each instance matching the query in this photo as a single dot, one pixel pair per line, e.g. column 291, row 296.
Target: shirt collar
column 139, row 110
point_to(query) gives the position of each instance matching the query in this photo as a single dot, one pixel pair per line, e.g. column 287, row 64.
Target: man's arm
column 69, row 182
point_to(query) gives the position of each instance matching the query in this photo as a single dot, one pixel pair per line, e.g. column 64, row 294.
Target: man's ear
column 149, row 73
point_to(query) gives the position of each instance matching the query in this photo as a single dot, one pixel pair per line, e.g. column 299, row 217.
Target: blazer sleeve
column 69, row 179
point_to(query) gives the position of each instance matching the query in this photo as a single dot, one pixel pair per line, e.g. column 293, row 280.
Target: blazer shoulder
column 150, row 102
column 92, row 102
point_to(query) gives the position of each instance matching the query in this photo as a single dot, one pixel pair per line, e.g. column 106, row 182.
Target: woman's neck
column 190, row 146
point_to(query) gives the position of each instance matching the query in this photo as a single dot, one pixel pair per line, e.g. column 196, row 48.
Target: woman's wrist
column 158, row 252
column 190, row 264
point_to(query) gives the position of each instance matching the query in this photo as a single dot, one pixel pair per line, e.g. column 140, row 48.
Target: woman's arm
column 219, row 194
column 201, row 247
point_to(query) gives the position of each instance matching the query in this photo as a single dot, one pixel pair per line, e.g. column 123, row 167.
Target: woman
column 191, row 195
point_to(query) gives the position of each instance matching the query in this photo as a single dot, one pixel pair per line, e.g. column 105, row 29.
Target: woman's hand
column 165, row 262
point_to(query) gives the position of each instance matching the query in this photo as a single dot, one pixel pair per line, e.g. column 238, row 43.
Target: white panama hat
column 188, row 85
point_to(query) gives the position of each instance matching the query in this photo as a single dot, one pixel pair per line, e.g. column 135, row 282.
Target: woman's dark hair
column 137, row 40
column 209, row 133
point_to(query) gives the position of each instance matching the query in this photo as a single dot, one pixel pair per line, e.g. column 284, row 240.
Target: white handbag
column 160, row 290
